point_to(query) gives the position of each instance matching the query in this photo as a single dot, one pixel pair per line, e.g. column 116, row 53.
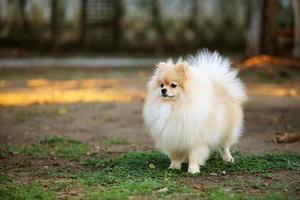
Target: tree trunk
column 83, row 23
column 194, row 13
column 157, row 24
column 270, row 27
column 118, row 12
column 296, row 10
column 255, row 28
column 55, row 23
column 22, row 4
column 193, row 22
column 25, row 24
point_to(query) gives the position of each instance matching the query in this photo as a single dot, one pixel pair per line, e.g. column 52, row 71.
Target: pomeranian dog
column 194, row 107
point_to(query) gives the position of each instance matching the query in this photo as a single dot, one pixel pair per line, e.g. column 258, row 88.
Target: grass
column 25, row 191
column 115, row 141
column 49, row 147
column 58, row 167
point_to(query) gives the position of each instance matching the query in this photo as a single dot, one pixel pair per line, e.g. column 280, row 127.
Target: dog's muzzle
column 164, row 93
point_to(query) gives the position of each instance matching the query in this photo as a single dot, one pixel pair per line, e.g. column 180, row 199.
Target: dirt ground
column 253, row 184
column 98, row 105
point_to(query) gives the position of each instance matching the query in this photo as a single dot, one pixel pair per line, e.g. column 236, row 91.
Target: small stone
column 14, row 153
column 223, row 173
column 213, row 174
column 151, row 166
column 165, row 189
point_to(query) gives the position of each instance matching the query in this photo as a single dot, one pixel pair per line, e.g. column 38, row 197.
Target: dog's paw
column 228, row 159
column 194, row 169
column 175, row 165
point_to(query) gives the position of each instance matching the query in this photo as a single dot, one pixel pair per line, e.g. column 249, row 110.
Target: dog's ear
column 182, row 69
column 161, row 65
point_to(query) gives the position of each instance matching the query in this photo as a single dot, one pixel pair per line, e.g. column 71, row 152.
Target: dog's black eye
column 173, row 85
column 161, row 85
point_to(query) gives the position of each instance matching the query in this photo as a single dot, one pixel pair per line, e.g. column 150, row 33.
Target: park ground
column 77, row 133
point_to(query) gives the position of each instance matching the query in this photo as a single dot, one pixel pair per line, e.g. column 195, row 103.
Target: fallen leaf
column 284, row 137
column 198, row 186
column 273, row 120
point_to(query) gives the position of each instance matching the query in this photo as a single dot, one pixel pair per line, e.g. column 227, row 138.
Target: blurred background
column 75, row 68
column 73, row 76
column 148, row 27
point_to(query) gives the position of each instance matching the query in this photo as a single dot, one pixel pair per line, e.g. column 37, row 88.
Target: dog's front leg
column 197, row 156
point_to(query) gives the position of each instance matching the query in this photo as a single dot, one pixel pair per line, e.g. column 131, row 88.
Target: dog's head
column 171, row 79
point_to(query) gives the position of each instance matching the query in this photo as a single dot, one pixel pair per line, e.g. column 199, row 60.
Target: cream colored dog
column 194, row 107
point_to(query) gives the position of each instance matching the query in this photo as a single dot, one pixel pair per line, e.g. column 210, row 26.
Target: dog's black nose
column 164, row 91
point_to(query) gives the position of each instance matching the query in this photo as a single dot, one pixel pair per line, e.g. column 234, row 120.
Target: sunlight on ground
column 68, row 84
column 43, row 91
column 272, row 90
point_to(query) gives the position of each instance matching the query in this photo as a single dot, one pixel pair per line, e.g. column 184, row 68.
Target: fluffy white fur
column 204, row 115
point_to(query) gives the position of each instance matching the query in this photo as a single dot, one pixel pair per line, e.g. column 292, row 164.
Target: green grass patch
column 115, row 141
column 254, row 163
column 134, row 174
column 3, row 178
column 155, row 164
column 221, row 194
column 49, row 147
column 139, row 187
column 268, row 196
column 150, row 170
column 34, row 190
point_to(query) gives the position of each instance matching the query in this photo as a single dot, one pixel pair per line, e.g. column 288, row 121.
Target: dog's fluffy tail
column 218, row 68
